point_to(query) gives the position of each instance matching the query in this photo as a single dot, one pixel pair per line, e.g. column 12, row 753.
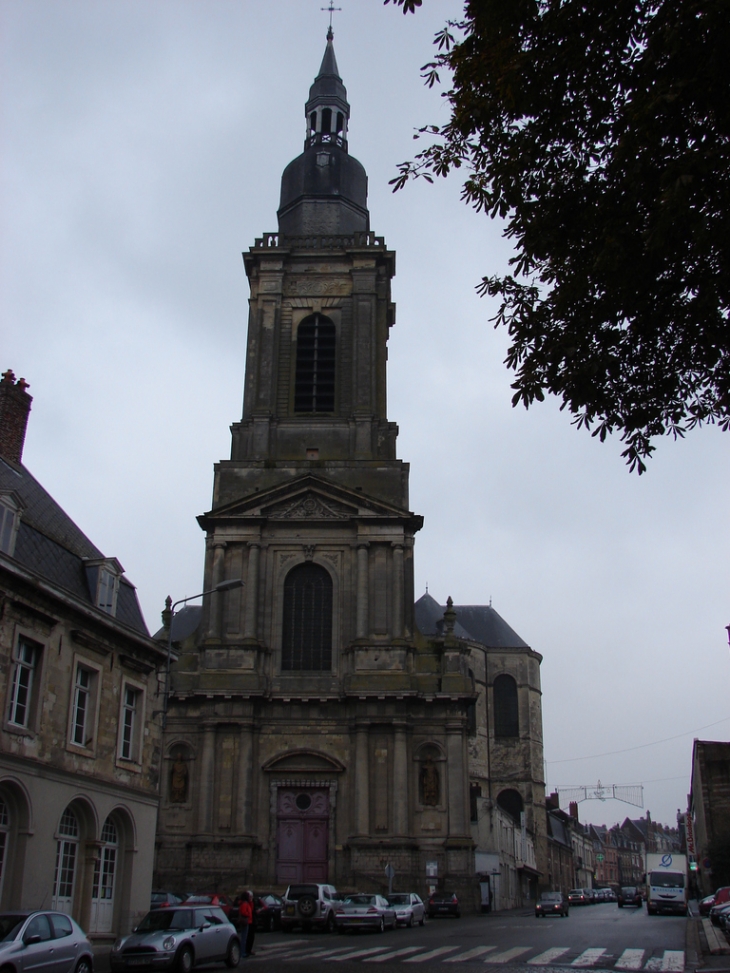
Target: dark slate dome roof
column 480, row 623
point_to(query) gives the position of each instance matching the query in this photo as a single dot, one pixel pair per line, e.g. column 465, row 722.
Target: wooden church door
column 302, row 830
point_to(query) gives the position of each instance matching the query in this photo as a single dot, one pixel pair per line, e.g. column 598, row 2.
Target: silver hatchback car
column 178, row 939
column 409, row 908
column 43, row 942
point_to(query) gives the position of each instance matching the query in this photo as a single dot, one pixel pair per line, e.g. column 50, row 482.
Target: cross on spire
column 330, row 10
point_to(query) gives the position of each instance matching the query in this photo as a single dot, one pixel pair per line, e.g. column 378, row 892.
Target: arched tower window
column 506, row 709
column 307, row 623
column 314, row 389
column 511, row 802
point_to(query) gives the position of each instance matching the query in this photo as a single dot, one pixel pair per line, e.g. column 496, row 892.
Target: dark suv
column 309, row 906
column 629, row 895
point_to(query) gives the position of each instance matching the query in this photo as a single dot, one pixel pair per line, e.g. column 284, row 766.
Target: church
column 320, row 725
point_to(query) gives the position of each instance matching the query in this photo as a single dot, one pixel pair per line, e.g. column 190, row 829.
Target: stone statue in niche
column 429, row 783
column 179, row 780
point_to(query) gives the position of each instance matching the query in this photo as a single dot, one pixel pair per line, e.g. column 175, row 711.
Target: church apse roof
column 479, row 623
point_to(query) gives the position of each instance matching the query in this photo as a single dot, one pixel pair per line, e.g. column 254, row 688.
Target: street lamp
column 170, row 612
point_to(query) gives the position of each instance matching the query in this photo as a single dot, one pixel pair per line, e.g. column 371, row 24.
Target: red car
column 213, row 898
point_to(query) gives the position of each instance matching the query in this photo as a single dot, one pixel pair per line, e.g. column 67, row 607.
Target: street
column 601, row 936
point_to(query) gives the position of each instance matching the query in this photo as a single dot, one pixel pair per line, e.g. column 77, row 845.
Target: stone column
column 363, row 606
column 362, row 779
column 205, row 781
column 400, row 778
column 398, row 581
column 250, row 628
column 458, row 805
column 216, row 598
column 245, row 778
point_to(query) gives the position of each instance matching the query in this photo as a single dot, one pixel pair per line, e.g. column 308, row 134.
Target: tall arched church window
column 314, row 389
column 506, row 709
column 307, row 622
column 66, row 855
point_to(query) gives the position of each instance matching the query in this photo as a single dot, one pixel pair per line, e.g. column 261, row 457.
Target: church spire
column 327, row 108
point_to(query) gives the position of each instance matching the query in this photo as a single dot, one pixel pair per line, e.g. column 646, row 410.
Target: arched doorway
column 105, row 872
column 302, row 829
column 67, row 856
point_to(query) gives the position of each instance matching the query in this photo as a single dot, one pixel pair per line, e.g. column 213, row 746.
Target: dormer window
column 9, row 522
column 103, row 576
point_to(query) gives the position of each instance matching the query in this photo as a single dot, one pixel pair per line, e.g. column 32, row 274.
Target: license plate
column 443, row 908
column 137, row 961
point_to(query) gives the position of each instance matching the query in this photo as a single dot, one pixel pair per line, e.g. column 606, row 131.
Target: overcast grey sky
column 142, row 147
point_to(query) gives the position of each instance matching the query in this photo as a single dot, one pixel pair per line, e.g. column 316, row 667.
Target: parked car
column 163, row 900
column 215, row 899
column 577, row 897
column 706, row 904
column 443, row 904
column 722, row 895
column 718, row 913
column 552, row 904
column 409, row 908
column 310, row 907
column 629, row 895
column 44, row 942
column 267, row 908
column 362, row 911
column 178, row 938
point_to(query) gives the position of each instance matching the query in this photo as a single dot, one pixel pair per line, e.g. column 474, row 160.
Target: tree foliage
column 600, row 133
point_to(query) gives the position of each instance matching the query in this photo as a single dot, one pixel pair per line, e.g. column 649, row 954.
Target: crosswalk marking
column 392, row 955
column 589, row 957
column 431, row 955
column 508, row 954
column 630, row 959
column 356, row 954
column 673, row 960
column 469, row 954
column 268, row 947
column 309, row 953
column 548, row 956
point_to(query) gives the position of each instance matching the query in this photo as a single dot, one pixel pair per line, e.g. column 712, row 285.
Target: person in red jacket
column 246, row 923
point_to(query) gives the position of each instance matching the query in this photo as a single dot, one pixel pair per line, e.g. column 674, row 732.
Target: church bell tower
column 299, row 706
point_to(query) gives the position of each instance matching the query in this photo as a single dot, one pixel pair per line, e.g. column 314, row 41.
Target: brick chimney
column 14, row 410
column 573, row 809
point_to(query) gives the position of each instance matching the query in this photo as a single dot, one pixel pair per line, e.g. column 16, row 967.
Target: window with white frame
column 66, row 855
column 24, row 682
column 130, row 723
column 9, row 520
column 82, row 727
column 106, row 594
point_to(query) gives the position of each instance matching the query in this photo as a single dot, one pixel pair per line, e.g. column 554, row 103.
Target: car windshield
column 550, row 897
column 360, row 900
column 164, row 919
column 297, row 891
column 399, row 899
column 200, row 899
column 667, row 880
column 628, row 891
column 9, row 926
column 576, row 891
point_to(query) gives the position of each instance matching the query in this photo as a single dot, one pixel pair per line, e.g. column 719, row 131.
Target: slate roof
column 184, row 623
column 479, row 623
column 556, row 830
column 51, row 545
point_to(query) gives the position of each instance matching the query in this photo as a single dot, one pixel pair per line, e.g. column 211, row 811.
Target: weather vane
column 331, row 9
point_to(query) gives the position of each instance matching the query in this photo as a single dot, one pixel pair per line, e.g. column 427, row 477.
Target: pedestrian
column 251, row 926
column 245, row 923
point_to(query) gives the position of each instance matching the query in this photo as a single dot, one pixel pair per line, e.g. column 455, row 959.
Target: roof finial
column 331, row 9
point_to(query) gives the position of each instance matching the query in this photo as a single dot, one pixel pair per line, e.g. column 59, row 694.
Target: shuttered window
column 314, row 389
column 307, row 628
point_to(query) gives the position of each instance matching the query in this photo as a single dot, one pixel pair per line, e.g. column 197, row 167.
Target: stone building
column 709, row 808
column 79, row 749
column 313, row 734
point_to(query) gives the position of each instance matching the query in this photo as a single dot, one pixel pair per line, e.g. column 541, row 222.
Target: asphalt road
column 599, row 936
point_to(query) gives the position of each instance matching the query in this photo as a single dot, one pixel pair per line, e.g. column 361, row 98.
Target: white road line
column 469, row 954
column 431, row 955
column 508, row 954
column 268, row 947
column 358, row 952
column 548, row 956
column 392, row 955
column 673, row 960
column 309, row 953
column 589, row 957
column 630, row 959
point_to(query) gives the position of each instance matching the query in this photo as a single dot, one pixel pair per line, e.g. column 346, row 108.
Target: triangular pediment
column 307, row 499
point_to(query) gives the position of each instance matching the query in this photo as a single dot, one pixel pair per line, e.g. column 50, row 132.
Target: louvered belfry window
column 307, row 629
column 314, row 389
column 506, row 708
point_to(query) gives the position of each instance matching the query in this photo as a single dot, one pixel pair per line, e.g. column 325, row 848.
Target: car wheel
column 185, row 960
column 330, row 925
column 233, row 956
column 83, row 966
column 422, row 920
column 381, row 927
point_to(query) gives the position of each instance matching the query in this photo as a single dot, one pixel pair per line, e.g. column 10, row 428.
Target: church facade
column 313, row 733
